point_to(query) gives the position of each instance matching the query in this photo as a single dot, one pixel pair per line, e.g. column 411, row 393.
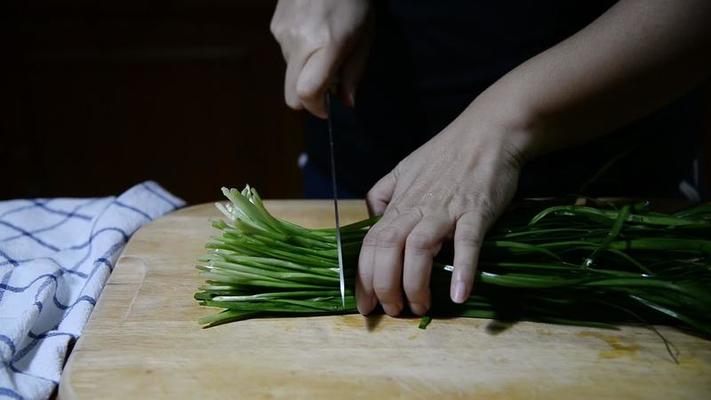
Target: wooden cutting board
column 143, row 341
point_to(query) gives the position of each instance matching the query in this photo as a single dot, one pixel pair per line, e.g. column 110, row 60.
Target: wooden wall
column 96, row 96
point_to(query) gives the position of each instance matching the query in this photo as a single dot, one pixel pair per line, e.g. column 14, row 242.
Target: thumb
column 352, row 70
column 380, row 194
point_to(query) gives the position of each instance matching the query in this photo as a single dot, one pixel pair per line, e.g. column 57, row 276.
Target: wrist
column 513, row 128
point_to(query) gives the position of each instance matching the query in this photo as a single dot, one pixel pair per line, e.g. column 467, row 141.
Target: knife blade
column 334, row 187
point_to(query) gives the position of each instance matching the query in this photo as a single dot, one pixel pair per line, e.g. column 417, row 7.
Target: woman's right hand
column 322, row 40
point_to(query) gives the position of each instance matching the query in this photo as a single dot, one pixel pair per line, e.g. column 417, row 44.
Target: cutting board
column 143, row 341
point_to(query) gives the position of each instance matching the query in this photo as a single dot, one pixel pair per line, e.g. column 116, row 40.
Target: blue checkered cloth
column 55, row 256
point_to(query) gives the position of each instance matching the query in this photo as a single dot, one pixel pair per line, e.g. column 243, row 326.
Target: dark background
column 96, row 96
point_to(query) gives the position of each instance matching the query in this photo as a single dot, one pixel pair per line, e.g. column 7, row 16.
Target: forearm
column 636, row 57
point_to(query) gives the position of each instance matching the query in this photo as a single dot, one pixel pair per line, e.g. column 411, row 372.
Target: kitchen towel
column 55, row 256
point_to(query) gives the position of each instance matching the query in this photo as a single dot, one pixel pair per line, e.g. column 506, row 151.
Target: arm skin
column 636, row 57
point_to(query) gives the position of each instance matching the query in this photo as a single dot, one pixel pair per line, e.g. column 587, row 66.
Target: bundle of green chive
column 599, row 265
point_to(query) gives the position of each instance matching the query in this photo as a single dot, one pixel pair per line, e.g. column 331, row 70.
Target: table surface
column 143, row 341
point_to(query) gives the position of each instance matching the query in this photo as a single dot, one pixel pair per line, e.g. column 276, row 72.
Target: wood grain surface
column 143, row 341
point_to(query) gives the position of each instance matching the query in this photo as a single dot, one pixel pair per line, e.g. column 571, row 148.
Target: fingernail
column 351, row 97
column 392, row 309
column 418, row 309
column 459, row 292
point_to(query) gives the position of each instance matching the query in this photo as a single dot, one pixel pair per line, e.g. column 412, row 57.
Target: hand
column 461, row 180
column 322, row 40
column 454, row 186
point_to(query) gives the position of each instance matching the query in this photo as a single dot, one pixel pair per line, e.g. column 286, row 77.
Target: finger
column 365, row 294
column 380, row 194
column 388, row 258
column 468, row 236
column 352, row 70
column 422, row 245
column 294, row 64
column 311, row 85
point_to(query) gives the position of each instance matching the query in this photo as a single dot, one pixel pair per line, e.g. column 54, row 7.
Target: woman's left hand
column 454, row 186
column 461, row 180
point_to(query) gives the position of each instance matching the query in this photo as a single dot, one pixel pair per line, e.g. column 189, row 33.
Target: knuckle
column 370, row 239
column 416, row 293
column 481, row 201
column 389, row 237
column 371, row 196
column 487, row 209
column 514, row 159
column 484, row 203
column 468, row 237
column 300, row 35
column 286, row 33
column 306, row 91
column 364, row 276
column 275, row 29
column 387, row 293
column 397, row 171
column 319, row 37
column 489, row 215
column 420, row 241
column 478, row 203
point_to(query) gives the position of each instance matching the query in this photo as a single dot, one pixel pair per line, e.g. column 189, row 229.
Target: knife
column 334, row 187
